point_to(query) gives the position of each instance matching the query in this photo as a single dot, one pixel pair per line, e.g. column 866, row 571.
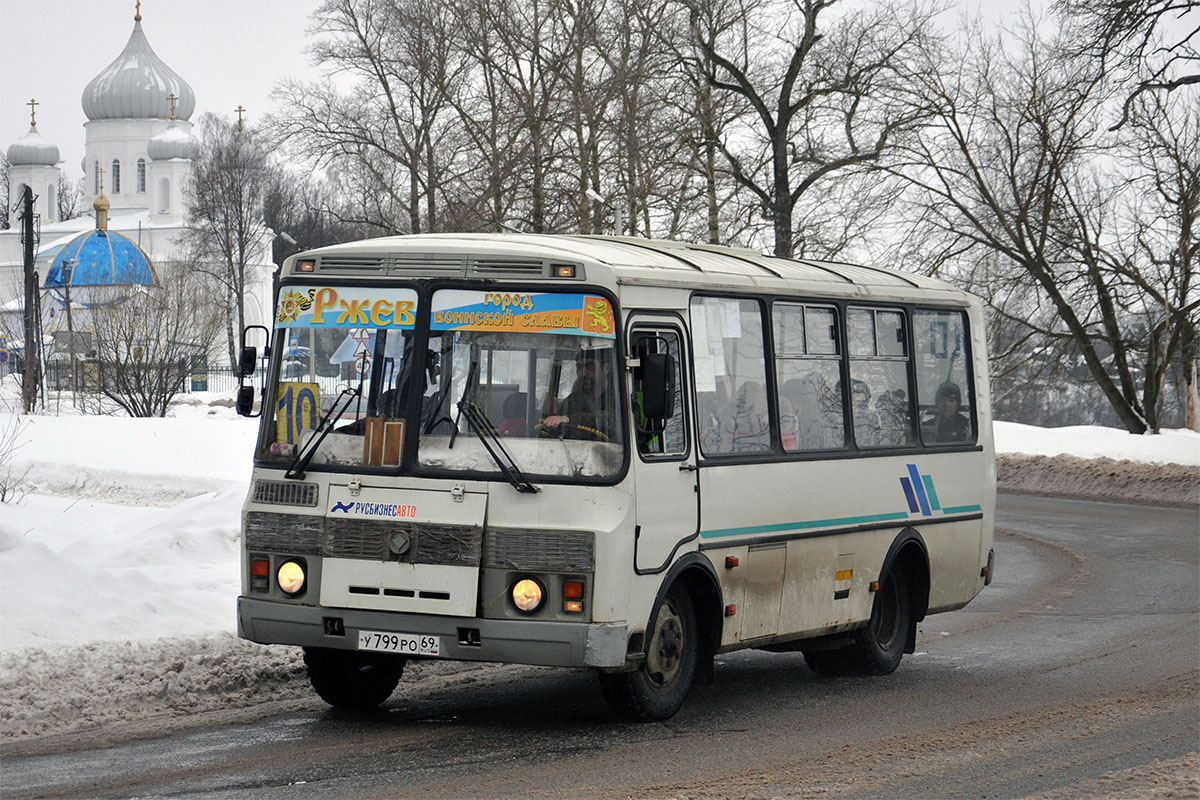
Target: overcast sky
column 230, row 52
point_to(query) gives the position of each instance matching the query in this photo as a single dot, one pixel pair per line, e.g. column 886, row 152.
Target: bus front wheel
column 352, row 680
column 657, row 689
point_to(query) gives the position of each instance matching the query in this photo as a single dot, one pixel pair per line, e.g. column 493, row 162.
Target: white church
column 139, row 151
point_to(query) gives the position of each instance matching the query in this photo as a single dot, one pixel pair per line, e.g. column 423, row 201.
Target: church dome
column 174, row 142
column 136, row 85
column 100, row 258
column 32, row 149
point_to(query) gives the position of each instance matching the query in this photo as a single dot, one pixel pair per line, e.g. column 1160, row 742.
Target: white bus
column 616, row 453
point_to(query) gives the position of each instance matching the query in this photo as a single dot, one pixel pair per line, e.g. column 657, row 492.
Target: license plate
column 408, row 644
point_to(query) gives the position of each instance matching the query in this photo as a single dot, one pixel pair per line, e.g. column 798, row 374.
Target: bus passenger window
column 881, row 407
column 730, row 375
column 808, row 377
column 943, row 381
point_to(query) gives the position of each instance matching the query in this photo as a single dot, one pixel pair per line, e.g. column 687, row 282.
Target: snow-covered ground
column 126, row 529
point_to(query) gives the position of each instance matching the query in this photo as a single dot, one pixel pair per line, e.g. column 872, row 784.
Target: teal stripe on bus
column 801, row 526
column 929, row 490
column 962, row 509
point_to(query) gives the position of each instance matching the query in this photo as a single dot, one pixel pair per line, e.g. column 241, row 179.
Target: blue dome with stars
column 101, row 258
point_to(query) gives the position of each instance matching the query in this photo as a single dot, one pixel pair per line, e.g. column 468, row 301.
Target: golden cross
column 101, row 187
column 33, row 111
column 172, row 99
column 137, row 17
column 240, row 111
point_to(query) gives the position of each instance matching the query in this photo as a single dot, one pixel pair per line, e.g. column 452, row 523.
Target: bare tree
column 1154, row 43
column 1014, row 179
column 389, row 132
column 309, row 212
column 826, row 96
column 144, row 338
column 69, row 197
column 1158, row 254
column 231, row 177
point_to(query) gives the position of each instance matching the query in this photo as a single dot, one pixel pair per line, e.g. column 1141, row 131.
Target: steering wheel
column 583, row 432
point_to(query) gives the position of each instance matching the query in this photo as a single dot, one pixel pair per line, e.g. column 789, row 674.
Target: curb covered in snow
column 1099, row 479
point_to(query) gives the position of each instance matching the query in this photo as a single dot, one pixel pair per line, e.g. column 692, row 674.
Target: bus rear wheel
column 880, row 645
column 657, row 689
column 352, row 680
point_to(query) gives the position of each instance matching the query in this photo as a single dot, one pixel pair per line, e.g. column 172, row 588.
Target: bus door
column 664, row 462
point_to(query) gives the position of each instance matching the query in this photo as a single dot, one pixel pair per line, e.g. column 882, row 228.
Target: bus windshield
column 533, row 381
column 508, row 384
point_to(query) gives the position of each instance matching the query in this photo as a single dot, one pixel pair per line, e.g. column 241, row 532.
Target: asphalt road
column 1081, row 660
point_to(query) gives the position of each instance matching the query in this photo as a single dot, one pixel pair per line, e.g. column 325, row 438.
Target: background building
column 139, row 147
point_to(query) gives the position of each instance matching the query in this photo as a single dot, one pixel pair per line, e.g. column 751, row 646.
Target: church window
column 164, row 196
column 141, row 176
column 116, row 176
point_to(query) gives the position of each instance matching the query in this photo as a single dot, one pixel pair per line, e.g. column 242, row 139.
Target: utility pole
column 33, row 362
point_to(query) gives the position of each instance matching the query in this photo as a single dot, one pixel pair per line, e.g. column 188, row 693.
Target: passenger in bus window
column 867, row 427
column 894, row 419
column 751, row 423
column 713, row 411
column 588, row 412
column 514, row 415
column 804, row 395
column 947, row 424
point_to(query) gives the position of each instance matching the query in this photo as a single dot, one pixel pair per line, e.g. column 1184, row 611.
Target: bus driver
column 589, row 410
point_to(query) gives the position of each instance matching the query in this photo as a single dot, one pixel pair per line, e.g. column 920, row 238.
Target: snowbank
column 1089, row 441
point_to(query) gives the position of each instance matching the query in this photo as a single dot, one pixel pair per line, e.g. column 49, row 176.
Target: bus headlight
column 528, row 595
column 290, row 577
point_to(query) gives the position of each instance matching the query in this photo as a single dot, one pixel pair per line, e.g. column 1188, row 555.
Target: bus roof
column 627, row 260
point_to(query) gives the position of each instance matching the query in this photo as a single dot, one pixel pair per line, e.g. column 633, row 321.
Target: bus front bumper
column 554, row 644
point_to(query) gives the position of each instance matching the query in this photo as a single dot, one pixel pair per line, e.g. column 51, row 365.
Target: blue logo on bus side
column 919, row 491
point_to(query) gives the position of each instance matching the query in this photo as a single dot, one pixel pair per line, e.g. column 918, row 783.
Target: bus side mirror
column 245, row 400
column 658, row 385
column 247, row 361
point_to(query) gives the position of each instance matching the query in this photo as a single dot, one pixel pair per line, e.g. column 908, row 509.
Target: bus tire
column 880, row 645
column 657, row 689
column 349, row 679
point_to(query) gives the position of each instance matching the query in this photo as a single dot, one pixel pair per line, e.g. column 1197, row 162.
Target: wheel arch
column 908, row 552
column 695, row 573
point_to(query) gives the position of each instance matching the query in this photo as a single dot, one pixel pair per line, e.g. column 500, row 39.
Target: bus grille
column 452, row 545
column 291, row 533
column 285, row 493
column 427, row 263
column 569, row 551
column 351, row 264
column 510, row 266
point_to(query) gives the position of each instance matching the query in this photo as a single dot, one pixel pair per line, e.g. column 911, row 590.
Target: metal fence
column 221, row 380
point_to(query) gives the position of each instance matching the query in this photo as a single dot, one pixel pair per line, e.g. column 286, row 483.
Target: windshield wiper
column 296, row 470
column 472, row 374
column 478, row 420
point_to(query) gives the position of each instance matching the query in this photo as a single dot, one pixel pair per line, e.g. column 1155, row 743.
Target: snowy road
column 1075, row 674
